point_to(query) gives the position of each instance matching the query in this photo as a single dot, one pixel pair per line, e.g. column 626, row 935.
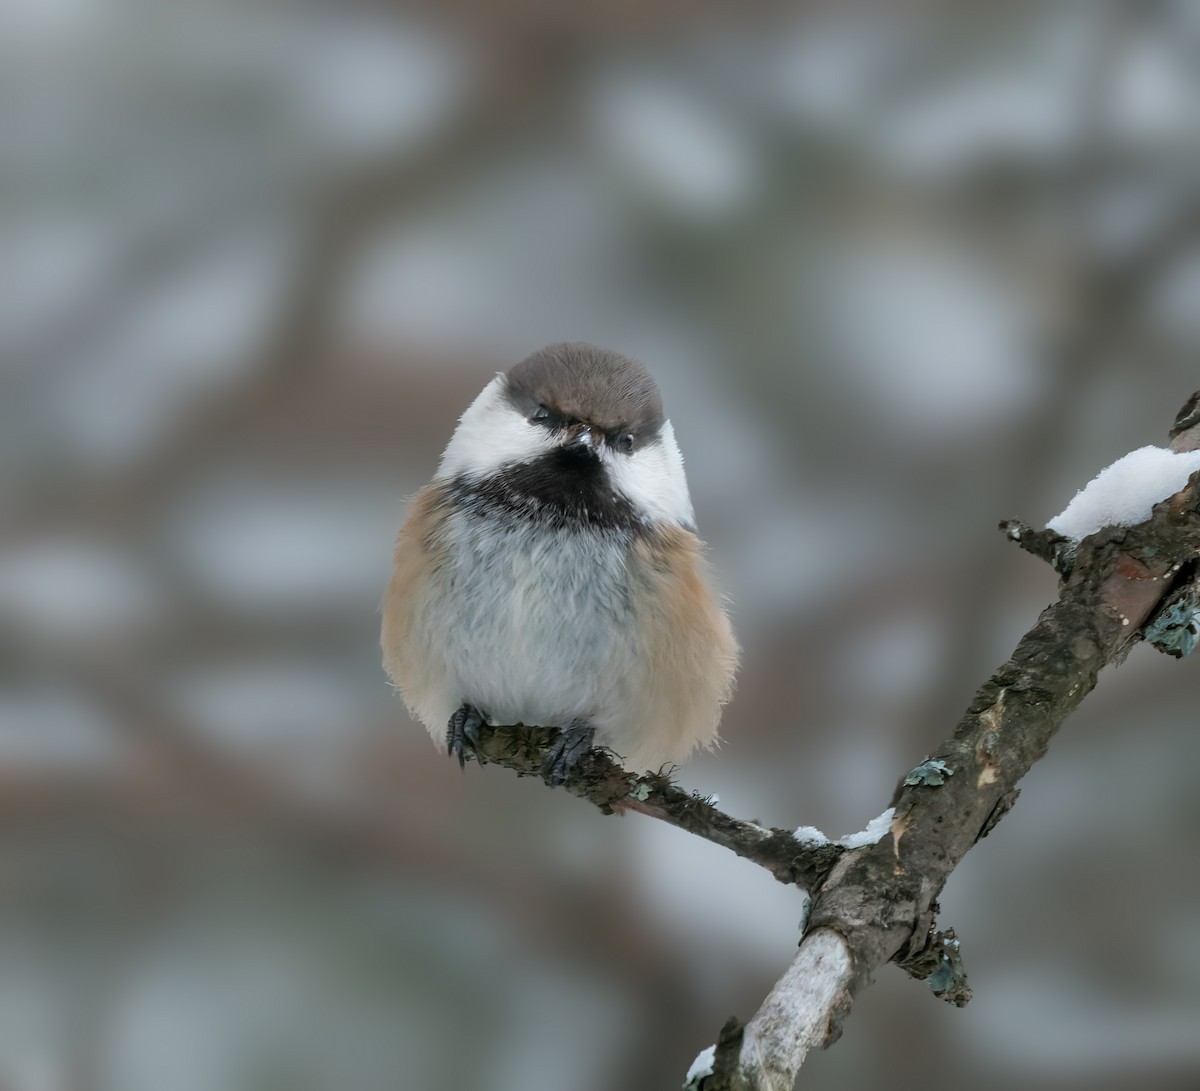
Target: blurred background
column 902, row 270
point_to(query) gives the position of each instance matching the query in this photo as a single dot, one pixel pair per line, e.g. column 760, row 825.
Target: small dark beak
column 580, row 437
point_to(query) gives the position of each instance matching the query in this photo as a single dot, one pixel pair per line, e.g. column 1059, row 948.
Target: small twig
column 600, row 780
column 1055, row 549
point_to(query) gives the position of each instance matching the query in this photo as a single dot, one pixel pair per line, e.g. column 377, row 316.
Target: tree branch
column 881, row 899
column 601, row 780
column 876, row 902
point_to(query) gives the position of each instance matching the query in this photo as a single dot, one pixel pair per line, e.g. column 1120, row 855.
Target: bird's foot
column 463, row 732
column 569, row 746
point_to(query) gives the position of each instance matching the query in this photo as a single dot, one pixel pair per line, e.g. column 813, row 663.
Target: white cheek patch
column 490, row 434
column 653, row 480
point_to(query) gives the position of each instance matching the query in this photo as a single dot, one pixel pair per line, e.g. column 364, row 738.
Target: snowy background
column 902, row 271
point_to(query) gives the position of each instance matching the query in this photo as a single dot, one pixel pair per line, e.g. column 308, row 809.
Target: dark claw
column 463, row 733
column 571, row 743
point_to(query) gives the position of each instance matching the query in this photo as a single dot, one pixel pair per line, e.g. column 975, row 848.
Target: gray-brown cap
column 580, row 382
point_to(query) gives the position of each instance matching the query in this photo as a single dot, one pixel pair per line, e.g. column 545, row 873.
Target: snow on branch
column 1125, row 493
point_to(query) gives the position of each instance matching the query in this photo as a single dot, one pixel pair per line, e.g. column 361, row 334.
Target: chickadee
column 550, row 574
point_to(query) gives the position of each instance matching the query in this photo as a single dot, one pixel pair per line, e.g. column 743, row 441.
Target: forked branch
column 876, row 902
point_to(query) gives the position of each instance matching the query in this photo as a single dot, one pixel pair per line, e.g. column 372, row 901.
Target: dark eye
column 540, row 414
column 625, row 443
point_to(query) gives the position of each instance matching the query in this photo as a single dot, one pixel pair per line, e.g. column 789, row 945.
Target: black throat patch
column 565, row 489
